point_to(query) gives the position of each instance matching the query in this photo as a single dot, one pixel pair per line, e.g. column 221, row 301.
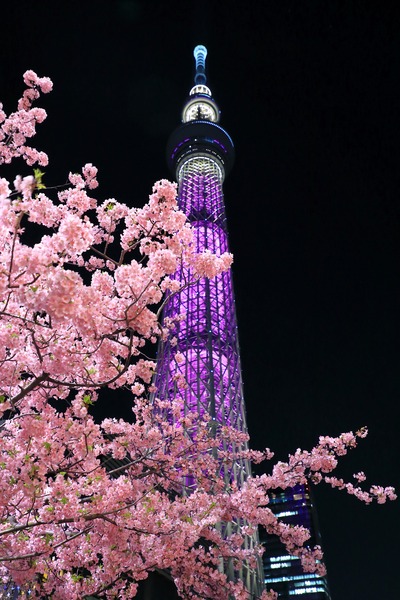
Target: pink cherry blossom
column 79, row 308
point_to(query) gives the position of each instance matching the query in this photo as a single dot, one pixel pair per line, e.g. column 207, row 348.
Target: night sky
column 309, row 92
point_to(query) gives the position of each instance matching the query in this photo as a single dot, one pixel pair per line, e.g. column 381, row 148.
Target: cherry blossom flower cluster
column 90, row 508
column 20, row 125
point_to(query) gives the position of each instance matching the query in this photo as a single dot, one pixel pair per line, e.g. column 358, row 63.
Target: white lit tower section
column 200, row 154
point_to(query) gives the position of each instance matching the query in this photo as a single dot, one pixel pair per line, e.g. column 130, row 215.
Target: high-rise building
column 200, row 155
column 283, row 572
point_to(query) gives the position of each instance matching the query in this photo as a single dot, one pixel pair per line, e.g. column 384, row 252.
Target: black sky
column 309, row 92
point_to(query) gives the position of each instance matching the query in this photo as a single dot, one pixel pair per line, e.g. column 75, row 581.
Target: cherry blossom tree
column 89, row 507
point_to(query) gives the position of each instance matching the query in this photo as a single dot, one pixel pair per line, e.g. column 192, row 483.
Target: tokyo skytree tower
column 200, row 155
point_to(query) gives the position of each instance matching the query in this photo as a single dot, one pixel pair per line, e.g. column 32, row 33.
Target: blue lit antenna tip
column 200, row 53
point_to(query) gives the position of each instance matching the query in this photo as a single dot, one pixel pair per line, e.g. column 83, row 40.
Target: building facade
column 283, row 572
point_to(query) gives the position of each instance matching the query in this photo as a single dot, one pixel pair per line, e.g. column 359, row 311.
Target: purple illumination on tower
column 207, row 337
column 200, row 153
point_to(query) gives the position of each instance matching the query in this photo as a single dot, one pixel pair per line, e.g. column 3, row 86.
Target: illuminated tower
column 200, row 155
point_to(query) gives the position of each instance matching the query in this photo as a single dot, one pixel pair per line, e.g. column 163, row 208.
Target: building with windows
column 283, row 572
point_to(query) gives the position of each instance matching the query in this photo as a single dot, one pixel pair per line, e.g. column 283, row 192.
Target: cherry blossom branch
column 33, row 385
column 53, row 548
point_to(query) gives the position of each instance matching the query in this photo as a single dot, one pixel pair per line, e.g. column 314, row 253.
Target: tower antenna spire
column 200, row 105
column 200, row 53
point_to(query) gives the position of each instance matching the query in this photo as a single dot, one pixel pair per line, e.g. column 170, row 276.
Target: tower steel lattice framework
column 200, row 154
